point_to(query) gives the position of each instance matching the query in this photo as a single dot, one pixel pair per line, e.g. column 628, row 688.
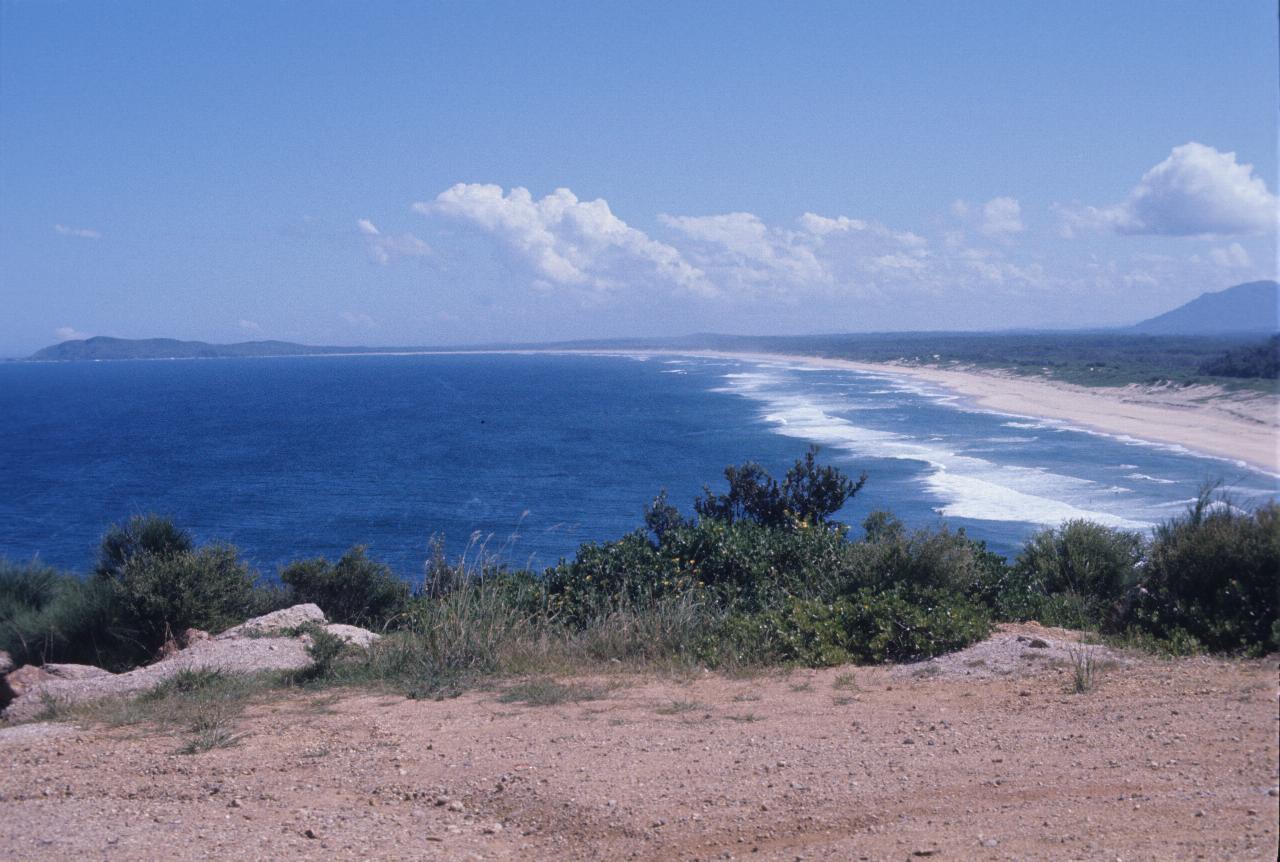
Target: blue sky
column 405, row 174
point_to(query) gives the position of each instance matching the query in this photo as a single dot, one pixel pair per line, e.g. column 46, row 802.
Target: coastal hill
column 1251, row 307
column 104, row 347
column 1244, row 310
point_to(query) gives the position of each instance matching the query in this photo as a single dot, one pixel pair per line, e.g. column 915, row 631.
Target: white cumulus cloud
column 1233, row 256
column 756, row 252
column 567, row 241
column 1196, row 191
column 1001, row 218
column 77, row 232
column 823, row 226
column 358, row 319
column 383, row 247
column 69, row 333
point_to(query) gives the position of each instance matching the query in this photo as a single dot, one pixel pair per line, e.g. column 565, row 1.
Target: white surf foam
column 982, row 500
column 967, row 487
column 1145, row 478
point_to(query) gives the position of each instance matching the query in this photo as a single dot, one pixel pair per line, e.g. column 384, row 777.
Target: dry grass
column 679, row 707
column 1084, row 669
column 550, row 692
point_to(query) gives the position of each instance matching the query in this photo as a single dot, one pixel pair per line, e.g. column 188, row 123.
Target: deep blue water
column 528, row 455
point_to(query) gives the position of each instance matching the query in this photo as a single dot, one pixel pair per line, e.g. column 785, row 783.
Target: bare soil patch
column 1163, row 759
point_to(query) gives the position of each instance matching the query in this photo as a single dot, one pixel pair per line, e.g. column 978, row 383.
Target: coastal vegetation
column 1112, row 358
column 759, row 574
column 1260, row 361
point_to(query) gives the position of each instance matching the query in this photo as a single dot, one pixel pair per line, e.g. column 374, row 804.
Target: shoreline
column 1205, row 420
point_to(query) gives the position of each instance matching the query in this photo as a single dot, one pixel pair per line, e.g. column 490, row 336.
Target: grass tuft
column 550, row 692
column 1084, row 669
column 679, row 707
column 210, row 731
column 845, row 682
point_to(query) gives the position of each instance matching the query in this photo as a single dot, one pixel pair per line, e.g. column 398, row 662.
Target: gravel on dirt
column 1164, row 759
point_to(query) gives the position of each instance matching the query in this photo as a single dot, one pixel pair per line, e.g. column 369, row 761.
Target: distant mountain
column 1252, row 307
column 103, row 347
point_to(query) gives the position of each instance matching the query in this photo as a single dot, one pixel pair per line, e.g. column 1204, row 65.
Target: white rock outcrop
column 354, row 635
column 285, row 621
column 266, row 643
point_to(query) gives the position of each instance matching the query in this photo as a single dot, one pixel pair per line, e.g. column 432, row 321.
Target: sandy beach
column 1205, row 419
column 1241, row 426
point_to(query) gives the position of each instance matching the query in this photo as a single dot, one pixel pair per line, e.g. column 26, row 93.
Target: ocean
column 527, row 456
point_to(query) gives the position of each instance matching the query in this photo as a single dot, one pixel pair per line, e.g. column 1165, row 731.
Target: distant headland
column 102, row 347
column 1243, row 310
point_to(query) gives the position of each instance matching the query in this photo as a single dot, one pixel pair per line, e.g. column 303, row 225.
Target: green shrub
column 1083, row 558
column 890, row 556
column 1212, row 575
column 48, row 616
column 141, row 534
column 740, row 565
column 808, row 496
column 355, row 590
column 27, row 587
column 867, row 627
column 162, row 594
column 602, row 579
column 324, row 651
column 660, row 516
column 748, row 566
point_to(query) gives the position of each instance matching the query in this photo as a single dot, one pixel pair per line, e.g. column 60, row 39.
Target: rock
column 75, row 671
column 176, row 644
column 168, row 649
column 6, row 662
column 24, row 680
column 243, row 655
column 24, row 734
column 282, row 622
column 354, row 635
column 1038, row 643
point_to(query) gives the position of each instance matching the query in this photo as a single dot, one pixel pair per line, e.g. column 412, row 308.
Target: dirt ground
column 965, row 758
